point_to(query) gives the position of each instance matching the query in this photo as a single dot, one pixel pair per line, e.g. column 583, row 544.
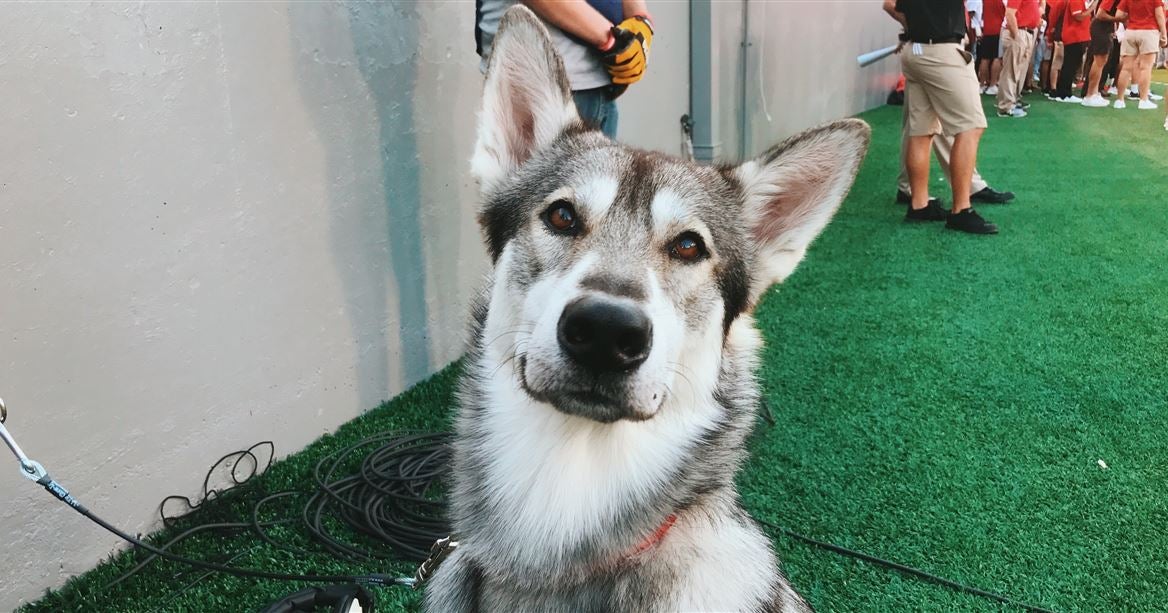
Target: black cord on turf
column 382, row 487
column 382, row 495
column 189, row 586
column 908, row 570
column 234, row 462
column 63, row 495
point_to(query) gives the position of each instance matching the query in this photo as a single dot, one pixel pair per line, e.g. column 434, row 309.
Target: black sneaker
column 1025, row 105
column 931, row 212
column 969, row 221
column 989, row 195
column 903, row 197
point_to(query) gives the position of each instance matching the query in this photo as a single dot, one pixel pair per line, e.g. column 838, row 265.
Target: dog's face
column 619, row 272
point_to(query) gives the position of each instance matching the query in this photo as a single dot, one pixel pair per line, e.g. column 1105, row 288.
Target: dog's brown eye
column 561, row 218
column 688, row 247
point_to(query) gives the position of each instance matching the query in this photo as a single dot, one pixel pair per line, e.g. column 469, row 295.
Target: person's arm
column 1012, row 21
column 1121, row 13
column 1160, row 24
column 1083, row 14
column 890, row 8
column 1101, row 14
column 577, row 18
column 636, row 7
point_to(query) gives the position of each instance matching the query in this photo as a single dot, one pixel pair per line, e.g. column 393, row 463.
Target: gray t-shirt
column 585, row 71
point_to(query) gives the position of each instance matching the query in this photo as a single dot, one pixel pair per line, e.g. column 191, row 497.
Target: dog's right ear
column 527, row 101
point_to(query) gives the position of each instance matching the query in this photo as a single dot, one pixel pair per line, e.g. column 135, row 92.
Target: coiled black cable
column 387, row 488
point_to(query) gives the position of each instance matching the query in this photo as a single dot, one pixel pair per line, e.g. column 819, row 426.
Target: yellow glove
column 628, row 56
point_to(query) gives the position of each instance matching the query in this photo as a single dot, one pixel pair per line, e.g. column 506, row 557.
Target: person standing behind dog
column 604, row 45
column 1076, row 33
column 941, row 93
column 1102, row 41
column 1022, row 20
column 1146, row 34
column 989, row 48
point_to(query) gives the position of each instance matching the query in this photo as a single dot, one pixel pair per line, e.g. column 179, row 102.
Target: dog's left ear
column 527, row 101
column 791, row 192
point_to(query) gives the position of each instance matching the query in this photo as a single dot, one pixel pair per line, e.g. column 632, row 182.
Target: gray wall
column 798, row 66
column 223, row 223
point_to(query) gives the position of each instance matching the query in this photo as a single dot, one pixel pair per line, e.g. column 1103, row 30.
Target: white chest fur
column 556, row 480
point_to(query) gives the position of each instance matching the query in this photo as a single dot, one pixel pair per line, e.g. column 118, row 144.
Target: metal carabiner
column 29, row 469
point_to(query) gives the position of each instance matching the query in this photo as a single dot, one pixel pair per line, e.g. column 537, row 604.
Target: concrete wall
column 799, row 66
column 224, row 223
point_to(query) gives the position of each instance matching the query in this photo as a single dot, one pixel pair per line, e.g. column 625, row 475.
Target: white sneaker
column 1071, row 99
column 991, row 90
column 1148, row 105
column 1015, row 112
column 983, row 90
column 1095, row 102
column 1166, row 124
column 1119, row 104
column 1155, row 97
column 1111, row 91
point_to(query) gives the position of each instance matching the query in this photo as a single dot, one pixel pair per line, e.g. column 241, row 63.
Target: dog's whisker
column 510, row 331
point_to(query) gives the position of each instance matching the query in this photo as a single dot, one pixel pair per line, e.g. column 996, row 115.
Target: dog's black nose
column 605, row 336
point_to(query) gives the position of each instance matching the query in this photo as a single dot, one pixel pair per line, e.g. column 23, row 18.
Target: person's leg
column 1028, row 50
column 918, row 169
column 1095, row 78
column 1111, row 73
column 962, row 165
column 1144, row 73
column 611, row 118
column 943, row 150
column 1056, row 70
column 995, row 71
column 597, row 109
column 920, row 119
column 902, row 182
column 1014, row 68
column 1125, row 75
column 1088, row 60
column 1072, row 57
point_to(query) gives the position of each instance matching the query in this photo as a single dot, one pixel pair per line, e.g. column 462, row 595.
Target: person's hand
column 628, row 56
column 1163, row 40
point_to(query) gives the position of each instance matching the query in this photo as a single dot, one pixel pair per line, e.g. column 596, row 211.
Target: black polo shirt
column 933, row 19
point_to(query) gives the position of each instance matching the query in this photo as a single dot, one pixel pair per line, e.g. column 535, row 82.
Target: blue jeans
column 597, row 109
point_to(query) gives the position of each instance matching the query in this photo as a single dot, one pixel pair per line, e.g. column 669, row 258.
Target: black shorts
column 988, row 47
column 1102, row 34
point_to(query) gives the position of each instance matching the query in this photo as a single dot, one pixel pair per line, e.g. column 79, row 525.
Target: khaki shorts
column 1140, row 42
column 941, row 90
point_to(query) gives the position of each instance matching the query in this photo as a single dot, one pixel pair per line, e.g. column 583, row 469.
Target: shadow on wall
column 356, row 68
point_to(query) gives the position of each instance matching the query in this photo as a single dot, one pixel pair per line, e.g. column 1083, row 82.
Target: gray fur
column 610, row 466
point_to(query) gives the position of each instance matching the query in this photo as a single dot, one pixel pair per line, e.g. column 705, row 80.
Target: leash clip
column 29, row 469
column 441, row 550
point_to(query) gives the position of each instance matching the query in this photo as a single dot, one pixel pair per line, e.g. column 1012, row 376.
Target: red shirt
column 1076, row 31
column 1056, row 12
column 1029, row 14
column 1141, row 13
column 993, row 16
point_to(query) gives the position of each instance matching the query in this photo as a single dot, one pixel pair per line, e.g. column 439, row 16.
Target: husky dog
column 611, row 380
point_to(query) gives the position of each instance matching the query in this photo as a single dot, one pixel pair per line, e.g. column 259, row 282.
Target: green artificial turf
column 943, row 400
